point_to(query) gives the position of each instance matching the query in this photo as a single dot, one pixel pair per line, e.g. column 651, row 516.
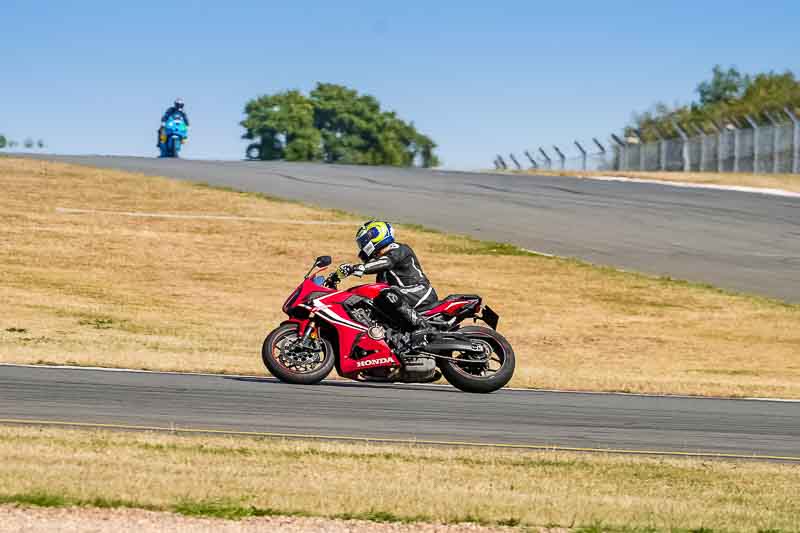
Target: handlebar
column 333, row 280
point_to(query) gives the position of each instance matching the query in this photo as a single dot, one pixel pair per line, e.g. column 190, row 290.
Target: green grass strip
column 230, row 510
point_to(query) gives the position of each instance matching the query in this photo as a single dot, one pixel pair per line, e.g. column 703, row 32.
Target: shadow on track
column 350, row 384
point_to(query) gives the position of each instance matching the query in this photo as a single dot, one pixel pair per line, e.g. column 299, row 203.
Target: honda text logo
column 373, row 362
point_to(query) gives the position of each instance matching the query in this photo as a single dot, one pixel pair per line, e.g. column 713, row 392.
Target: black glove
column 346, row 269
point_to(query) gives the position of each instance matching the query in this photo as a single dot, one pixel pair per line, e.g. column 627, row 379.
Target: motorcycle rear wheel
column 478, row 377
column 273, row 354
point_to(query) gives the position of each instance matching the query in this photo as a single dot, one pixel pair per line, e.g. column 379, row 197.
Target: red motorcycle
column 328, row 328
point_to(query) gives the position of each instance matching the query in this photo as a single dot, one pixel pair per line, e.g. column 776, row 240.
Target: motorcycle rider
column 175, row 109
column 397, row 265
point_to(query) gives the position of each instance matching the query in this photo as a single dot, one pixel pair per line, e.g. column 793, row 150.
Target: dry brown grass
column 200, row 294
column 24, row 518
column 787, row 182
column 408, row 483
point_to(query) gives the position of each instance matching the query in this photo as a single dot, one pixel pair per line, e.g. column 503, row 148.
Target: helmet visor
column 364, row 241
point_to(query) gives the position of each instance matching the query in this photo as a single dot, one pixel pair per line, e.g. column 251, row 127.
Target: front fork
column 308, row 329
column 309, row 333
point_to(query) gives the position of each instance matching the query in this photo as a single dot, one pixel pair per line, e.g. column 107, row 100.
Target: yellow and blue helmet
column 372, row 236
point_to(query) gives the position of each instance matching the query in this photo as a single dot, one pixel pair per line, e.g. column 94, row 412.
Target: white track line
column 421, row 385
column 142, row 214
column 691, row 185
column 534, row 252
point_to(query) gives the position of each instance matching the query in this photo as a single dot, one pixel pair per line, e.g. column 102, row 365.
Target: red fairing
column 449, row 308
column 310, row 303
column 352, row 334
column 370, row 290
column 380, row 355
column 348, row 330
column 301, row 293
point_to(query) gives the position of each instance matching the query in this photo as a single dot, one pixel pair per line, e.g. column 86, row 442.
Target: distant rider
column 175, row 110
column 397, row 265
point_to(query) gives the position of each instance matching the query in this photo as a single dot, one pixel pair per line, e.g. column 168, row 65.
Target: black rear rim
column 483, row 365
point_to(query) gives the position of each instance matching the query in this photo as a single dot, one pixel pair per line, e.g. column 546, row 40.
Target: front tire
column 176, row 146
column 472, row 377
column 288, row 366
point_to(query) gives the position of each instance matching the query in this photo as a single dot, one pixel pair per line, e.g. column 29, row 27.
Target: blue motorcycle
column 173, row 136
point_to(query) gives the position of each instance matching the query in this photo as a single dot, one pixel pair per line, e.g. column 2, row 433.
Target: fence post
column 561, row 157
column 660, row 143
column 534, row 164
column 687, row 166
column 795, row 140
column 502, row 162
column 602, row 149
column 548, row 161
column 639, row 137
column 702, row 135
column 737, row 133
column 516, row 163
column 583, row 155
column 776, row 128
column 623, row 160
column 662, row 151
column 755, row 142
column 719, row 144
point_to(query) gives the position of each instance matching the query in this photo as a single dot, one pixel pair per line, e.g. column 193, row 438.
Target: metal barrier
column 745, row 146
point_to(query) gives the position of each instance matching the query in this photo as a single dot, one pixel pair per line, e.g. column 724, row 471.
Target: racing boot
column 419, row 327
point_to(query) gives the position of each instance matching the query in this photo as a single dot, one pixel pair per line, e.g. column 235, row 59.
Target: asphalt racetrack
column 768, row 429
column 747, row 242
column 401, row 412
column 735, row 240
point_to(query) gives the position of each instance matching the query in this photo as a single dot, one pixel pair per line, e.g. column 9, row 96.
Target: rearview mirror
column 323, row 261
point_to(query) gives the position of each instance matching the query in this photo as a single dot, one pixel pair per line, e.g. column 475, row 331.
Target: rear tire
column 271, row 356
column 461, row 378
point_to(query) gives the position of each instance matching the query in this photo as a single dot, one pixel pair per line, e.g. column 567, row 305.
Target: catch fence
column 737, row 146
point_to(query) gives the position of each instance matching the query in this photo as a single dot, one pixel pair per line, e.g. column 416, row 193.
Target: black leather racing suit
column 409, row 288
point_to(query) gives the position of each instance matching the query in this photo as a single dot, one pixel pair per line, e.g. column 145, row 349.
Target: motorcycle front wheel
column 289, row 361
column 488, row 374
column 176, row 146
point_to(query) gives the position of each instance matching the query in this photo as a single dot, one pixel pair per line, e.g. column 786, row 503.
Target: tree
column 285, row 124
column 40, row 143
column 334, row 124
column 28, row 143
column 356, row 130
column 3, row 141
column 347, row 123
column 727, row 96
column 724, row 86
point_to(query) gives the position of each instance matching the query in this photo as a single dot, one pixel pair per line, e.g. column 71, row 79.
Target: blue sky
column 480, row 78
